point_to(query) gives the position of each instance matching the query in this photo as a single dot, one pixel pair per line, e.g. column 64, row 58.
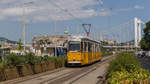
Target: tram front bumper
column 74, row 63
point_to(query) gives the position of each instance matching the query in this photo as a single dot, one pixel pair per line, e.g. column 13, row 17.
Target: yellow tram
column 82, row 51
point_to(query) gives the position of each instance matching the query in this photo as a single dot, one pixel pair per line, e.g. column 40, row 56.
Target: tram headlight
column 74, row 58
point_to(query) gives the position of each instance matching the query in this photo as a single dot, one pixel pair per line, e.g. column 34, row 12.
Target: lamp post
column 24, row 29
column 24, row 24
column 55, row 39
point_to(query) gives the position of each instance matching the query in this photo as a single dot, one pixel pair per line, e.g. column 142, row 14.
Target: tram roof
column 80, row 38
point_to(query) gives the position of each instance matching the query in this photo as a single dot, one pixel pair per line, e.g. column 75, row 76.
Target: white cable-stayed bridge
column 127, row 35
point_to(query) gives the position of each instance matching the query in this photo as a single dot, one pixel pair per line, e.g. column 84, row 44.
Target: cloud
column 6, row 1
column 15, row 11
column 124, row 9
column 138, row 7
column 45, row 10
column 129, row 9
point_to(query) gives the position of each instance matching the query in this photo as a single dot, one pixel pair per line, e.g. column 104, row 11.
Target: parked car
column 141, row 54
column 148, row 53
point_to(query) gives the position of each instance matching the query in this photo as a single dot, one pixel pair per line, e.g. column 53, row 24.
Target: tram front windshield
column 74, row 46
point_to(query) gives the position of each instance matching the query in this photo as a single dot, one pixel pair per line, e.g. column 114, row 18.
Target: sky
column 112, row 18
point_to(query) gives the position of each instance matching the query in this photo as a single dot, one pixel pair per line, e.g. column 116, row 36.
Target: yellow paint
column 74, row 56
column 84, row 57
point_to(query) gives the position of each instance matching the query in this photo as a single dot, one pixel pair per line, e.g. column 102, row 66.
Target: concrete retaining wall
column 25, row 70
column 11, row 73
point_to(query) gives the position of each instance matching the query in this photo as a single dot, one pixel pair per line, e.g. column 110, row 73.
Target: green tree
column 20, row 47
column 145, row 42
column 0, row 48
column 0, row 53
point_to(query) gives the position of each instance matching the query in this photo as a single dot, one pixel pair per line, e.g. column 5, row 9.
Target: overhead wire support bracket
column 87, row 28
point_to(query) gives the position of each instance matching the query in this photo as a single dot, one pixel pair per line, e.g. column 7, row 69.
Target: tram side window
column 93, row 48
column 99, row 48
column 96, row 47
column 82, row 47
column 89, row 47
column 86, row 47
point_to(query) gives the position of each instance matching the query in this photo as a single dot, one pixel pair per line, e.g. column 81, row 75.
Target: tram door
column 89, row 52
column 84, row 49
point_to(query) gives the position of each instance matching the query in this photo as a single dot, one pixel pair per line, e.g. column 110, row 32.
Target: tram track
column 77, row 74
column 30, row 77
column 58, row 77
column 89, row 71
column 52, row 76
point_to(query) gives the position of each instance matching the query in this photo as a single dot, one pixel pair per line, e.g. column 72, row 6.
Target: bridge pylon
column 138, row 33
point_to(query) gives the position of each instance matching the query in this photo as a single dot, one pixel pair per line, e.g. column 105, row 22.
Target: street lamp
column 55, row 39
column 24, row 24
column 24, row 29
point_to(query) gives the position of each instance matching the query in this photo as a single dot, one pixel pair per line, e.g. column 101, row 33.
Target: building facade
column 45, row 45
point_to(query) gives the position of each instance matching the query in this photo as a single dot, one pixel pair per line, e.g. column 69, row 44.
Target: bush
column 1, row 65
column 106, row 53
column 125, row 69
column 134, row 77
column 57, row 60
column 30, row 58
column 13, row 60
column 125, row 61
column 45, row 59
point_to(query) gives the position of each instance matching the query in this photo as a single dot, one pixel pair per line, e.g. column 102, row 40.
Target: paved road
column 92, row 78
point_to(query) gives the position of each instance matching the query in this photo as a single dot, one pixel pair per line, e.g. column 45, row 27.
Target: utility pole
column 120, row 38
column 55, row 39
column 129, row 35
column 24, row 30
column 101, row 36
column 24, row 24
